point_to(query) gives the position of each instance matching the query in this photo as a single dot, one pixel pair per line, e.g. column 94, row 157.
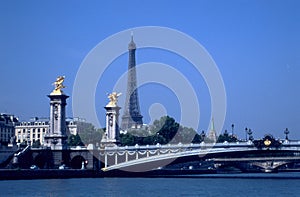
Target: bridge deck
column 169, row 153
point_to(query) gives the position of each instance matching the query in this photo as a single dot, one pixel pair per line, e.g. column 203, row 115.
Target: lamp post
column 250, row 134
column 246, row 131
column 225, row 132
column 156, row 138
column 202, row 135
column 286, row 132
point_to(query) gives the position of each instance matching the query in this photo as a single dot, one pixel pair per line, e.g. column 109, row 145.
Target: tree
column 197, row 139
column 36, row 144
column 226, row 137
column 127, row 139
column 167, row 127
column 162, row 131
column 75, row 140
column 185, row 135
column 91, row 135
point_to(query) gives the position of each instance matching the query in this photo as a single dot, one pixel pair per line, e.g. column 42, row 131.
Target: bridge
column 267, row 155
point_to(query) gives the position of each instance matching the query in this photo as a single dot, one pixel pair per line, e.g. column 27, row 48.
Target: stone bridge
column 265, row 155
column 73, row 157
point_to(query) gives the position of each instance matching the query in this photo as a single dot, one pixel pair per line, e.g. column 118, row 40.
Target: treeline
column 167, row 130
column 163, row 131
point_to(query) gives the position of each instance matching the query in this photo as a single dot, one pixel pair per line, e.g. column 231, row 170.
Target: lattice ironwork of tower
column 132, row 117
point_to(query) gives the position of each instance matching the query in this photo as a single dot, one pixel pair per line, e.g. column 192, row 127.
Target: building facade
column 7, row 127
column 32, row 131
column 36, row 129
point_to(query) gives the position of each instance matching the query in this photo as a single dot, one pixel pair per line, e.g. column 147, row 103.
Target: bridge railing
column 180, row 146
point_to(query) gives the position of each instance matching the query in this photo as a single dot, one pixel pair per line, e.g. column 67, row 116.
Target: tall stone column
column 56, row 137
column 112, row 133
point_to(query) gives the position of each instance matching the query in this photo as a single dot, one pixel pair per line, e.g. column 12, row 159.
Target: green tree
column 36, row 144
column 75, row 140
column 91, row 135
column 197, row 139
column 166, row 127
column 127, row 139
column 226, row 137
column 162, row 131
column 185, row 135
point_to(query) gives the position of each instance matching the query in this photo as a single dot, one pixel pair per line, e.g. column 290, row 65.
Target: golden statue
column 58, row 85
column 267, row 142
column 113, row 99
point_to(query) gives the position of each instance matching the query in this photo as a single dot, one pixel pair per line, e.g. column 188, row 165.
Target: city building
column 35, row 129
column 7, row 127
column 31, row 131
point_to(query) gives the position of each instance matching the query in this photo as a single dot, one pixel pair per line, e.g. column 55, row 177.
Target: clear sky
column 256, row 45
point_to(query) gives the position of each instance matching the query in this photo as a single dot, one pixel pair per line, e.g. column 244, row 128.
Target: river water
column 281, row 184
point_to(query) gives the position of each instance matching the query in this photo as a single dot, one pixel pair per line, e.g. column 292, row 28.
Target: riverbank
column 27, row 174
column 18, row 174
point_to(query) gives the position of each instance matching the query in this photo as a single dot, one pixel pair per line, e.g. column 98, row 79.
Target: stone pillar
column 112, row 133
column 56, row 137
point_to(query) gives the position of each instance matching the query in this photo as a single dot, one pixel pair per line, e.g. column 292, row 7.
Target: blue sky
column 255, row 44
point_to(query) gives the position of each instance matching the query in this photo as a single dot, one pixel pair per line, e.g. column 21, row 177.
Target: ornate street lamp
column 202, row 135
column 225, row 132
column 286, row 132
column 250, row 134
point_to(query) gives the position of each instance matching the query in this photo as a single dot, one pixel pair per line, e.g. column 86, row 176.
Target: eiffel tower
column 132, row 117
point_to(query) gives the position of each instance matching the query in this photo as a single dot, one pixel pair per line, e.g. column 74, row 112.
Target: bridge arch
column 76, row 162
column 40, row 161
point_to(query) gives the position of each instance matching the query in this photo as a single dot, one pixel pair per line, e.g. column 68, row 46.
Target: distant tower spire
column 212, row 135
column 212, row 125
column 131, row 46
column 132, row 117
column 132, row 36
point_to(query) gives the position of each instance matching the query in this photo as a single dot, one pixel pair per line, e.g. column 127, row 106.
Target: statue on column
column 113, row 99
column 58, row 86
column 111, row 137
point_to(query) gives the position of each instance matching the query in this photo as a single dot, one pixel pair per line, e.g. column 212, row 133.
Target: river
column 281, row 184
